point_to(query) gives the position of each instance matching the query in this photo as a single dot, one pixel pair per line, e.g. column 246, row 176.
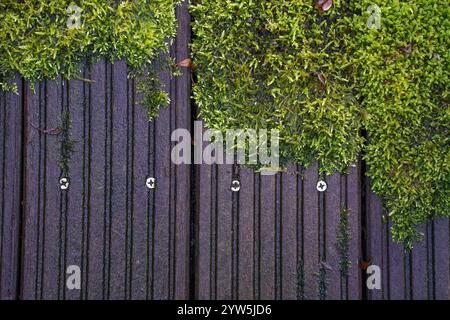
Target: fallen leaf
column 186, row 63
column 323, row 5
column 363, row 265
column 407, row 50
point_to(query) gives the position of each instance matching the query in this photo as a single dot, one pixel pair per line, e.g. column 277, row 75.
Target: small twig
column 53, row 131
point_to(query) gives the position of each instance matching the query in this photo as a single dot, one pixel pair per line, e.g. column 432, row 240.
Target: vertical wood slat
column 10, row 191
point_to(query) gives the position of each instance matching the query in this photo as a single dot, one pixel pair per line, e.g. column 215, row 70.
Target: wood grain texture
column 10, row 191
column 278, row 222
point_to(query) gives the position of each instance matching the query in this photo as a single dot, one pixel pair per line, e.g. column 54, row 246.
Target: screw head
column 64, row 183
column 151, row 183
column 235, row 186
column 321, row 186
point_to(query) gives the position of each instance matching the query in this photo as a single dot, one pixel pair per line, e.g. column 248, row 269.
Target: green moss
column 343, row 243
column 300, row 280
column 67, row 144
column 321, row 78
column 403, row 77
column 37, row 42
column 322, row 281
column 259, row 66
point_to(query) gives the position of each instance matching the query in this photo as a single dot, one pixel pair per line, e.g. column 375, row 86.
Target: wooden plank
column 95, row 273
column 183, row 172
column 143, row 165
column 441, row 259
column 246, row 248
column 289, row 236
column 353, row 199
column 10, row 191
column 206, row 234
column 311, row 233
column 53, row 217
column 332, row 211
column 419, row 270
column 377, row 249
column 118, row 227
column 224, row 250
column 32, row 255
column 397, row 278
column 267, row 237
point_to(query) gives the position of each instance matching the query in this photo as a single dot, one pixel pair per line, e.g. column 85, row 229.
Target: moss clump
column 44, row 39
column 300, row 280
column 343, row 243
column 67, row 144
column 403, row 77
column 322, row 281
column 279, row 65
column 321, row 78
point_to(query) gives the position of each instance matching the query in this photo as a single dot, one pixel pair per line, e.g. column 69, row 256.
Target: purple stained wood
column 333, row 207
column 224, row 232
column 311, row 231
column 289, row 234
column 183, row 172
column 95, row 281
column 397, row 276
column 246, row 247
column 10, row 191
column 351, row 190
column 419, row 270
column 267, row 215
column 53, row 219
column 377, row 251
column 441, row 259
column 278, row 228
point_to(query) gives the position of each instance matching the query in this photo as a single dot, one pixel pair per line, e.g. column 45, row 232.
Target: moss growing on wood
column 343, row 243
column 279, row 65
column 403, row 77
column 322, row 281
column 300, row 280
column 44, row 39
column 320, row 77
column 67, row 144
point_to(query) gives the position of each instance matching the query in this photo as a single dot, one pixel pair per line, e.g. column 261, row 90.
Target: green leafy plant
column 322, row 77
column 45, row 39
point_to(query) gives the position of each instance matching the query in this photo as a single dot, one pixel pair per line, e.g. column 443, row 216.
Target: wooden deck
column 191, row 236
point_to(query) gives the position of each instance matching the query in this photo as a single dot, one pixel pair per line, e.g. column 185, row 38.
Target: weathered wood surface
column 253, row 244
column 10, row 191
column 132, row 242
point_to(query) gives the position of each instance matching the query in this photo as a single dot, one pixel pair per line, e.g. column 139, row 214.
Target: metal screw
column 235, row 186
column 151, row 183
column 321, row 186
column 64, row 183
